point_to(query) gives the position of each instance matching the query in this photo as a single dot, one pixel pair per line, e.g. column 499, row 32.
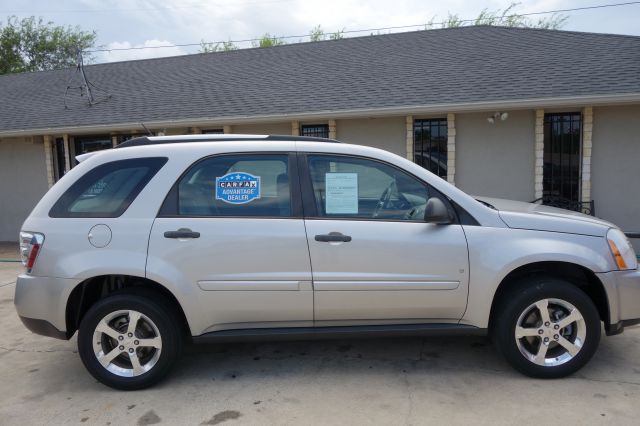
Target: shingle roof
column 469, row 64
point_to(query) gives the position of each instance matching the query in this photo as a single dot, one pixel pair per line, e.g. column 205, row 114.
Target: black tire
column 529, row 291
column 155, row 308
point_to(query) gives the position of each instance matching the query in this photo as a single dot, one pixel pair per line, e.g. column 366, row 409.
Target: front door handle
column 333, row 237
column 182, row 233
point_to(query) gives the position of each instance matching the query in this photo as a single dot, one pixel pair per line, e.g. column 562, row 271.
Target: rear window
column 107, row 190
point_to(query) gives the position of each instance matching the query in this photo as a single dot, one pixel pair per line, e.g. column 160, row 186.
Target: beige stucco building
column 537, row 119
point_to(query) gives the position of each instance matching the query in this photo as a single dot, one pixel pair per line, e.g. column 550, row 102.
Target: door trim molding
column 384, row 285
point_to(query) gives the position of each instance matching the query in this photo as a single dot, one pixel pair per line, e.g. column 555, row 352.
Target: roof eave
column 511, row 104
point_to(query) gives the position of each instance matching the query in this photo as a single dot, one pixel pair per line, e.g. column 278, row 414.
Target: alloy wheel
column 127, row 343
column 550, row 332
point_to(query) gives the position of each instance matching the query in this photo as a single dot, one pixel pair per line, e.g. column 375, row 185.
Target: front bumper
column 623, row 292
column 41, row 303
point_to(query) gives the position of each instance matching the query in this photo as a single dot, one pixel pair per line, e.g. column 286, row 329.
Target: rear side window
column 242, row 185
column 107, row 190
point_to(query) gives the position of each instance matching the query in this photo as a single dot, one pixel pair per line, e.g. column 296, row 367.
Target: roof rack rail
column 159, row 140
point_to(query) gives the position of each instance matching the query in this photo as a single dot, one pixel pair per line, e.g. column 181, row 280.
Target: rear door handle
column 333, row 237
column 182, row 233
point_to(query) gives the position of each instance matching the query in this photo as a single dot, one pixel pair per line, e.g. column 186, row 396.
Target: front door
column 374, row 259
column 232, row 238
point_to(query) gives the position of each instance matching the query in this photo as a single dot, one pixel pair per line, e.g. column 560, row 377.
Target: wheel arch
column 578, row 275
column 86, row 293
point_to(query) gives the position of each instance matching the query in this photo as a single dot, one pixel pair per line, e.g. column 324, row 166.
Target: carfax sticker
column 237, row 188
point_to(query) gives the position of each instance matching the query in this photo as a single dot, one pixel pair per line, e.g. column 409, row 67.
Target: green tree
column 30, row 44
column 316, row 34
column 221, row 46
column 338, row 35
column 268, row 40
column 506, row 17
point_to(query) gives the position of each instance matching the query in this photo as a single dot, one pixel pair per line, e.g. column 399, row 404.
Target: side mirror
column 436, row 212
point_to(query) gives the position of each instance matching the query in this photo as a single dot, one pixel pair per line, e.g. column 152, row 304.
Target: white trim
column 353, row 113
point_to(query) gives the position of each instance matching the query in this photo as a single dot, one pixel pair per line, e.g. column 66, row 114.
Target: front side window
column 351, row 187
column 107, row 190
column 236, row 185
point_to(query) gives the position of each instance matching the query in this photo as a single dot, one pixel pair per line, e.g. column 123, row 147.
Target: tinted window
column 107, row 190
column 236, row 185
column 359, row 188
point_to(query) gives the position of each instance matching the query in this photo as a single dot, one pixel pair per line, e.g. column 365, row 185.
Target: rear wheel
column 547, row 328
column 128, row 341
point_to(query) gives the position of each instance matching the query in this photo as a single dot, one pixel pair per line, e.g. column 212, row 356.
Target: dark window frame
column 426, row 126
column 216, row 131
column 61, row 207
column 562, row 168
column 58, row 157
column 315, row 130
column 170, row 209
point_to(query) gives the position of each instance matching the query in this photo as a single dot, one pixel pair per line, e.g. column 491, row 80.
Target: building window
column 124, row 138
column 315, row 130
column 84, row 144
column 430, row 145
column 562, row 148
column 213, row 132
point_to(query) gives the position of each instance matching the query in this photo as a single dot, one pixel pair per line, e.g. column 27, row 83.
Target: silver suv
column 204, row 238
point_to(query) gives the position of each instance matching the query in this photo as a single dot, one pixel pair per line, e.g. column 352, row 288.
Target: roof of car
column 160, row 140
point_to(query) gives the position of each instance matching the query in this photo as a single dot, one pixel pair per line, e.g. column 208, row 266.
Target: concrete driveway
column 401, row 381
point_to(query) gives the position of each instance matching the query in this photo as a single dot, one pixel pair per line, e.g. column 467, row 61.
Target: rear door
column 374, row 259
column 231, row 234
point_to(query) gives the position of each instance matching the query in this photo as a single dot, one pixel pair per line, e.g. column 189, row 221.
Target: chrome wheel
column 127, row 343
column 550, row 332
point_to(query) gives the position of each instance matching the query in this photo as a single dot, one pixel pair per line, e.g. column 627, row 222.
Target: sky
column 139, row 23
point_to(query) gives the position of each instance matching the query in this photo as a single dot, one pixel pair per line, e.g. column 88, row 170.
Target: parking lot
column 414, row 381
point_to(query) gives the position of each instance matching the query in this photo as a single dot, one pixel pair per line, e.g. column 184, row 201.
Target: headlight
column 621, row 249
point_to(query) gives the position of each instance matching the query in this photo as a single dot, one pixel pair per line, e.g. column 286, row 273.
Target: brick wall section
column 587, row 143
column 48, row 159
column 67, row 153
column 332, row 129
column 539, row 153
column 409, row 137
column 451, row 148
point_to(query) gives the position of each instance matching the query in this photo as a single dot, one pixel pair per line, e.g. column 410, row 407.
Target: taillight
column 30, row 245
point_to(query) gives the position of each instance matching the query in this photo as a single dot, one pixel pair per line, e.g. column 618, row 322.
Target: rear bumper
column 43, row 327
column 41, row 303
column 623, row 292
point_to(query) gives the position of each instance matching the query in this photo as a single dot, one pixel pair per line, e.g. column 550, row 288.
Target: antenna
column 86, row 87
column 145, row 127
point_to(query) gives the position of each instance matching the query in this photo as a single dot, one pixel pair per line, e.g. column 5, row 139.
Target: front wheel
column 128, row 341
column 547, row 328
